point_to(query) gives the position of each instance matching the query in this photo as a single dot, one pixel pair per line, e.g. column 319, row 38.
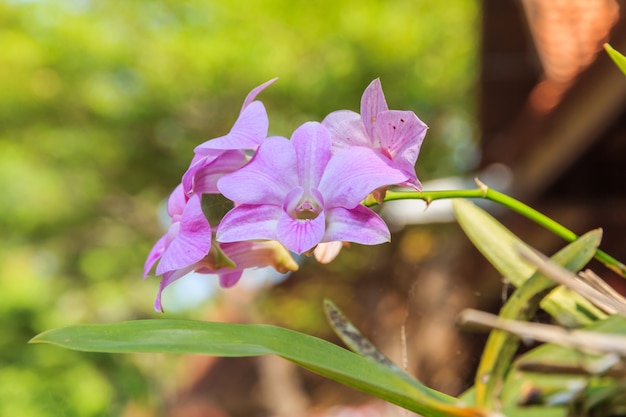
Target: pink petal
column 311, row 142
column 326, row 252
column 292, row 199
column 247, row 222
column 412, row 181
column 346, row 129
column 300, row 235
column 372, row 103
column 193, row 241
column 228, row 279
column 176, row 202
column 168, row 278
column 255, row 92
column 352, row 174
column 254, row 253
column 249, row 129
column 401, row 134
column 403, row 166
column 267, row 178
column 154, row 255
column 247, row 133
column 205, row 176
column 161, row 246
column 359, row 225
column 197, row 163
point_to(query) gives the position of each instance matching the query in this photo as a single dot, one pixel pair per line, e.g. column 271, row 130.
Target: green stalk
column 484, row 192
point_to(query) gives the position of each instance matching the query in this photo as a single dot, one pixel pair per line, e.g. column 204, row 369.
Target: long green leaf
column 522, row 305
column 501, row 248
column 235, row 340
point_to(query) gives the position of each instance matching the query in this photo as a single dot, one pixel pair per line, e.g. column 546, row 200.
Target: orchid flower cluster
column 301, row 195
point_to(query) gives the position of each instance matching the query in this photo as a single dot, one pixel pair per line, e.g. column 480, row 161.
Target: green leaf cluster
column 502, row 384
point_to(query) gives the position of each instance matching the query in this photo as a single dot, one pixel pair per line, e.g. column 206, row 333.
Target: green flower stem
column 487, row 193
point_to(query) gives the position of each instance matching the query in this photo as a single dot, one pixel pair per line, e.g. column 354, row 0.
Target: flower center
column 304, row 205
column 307, row 211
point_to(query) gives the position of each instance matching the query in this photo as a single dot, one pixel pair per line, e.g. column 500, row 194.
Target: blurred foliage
column 101, row 105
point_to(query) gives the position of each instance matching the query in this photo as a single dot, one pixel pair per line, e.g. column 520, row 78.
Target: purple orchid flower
column 396, row 135
column 243, row 255
column 188, row 238
column 299, row 193
column 218, row 156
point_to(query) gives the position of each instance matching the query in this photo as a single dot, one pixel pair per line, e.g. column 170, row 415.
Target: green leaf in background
column 563, row 357
column 359, row 344
column 524, row 396
column 494, row 241
column 236, row 340
column 501, row 346
column 353, row 338
column 619, row 59
column 501, row 248
column 559, row 376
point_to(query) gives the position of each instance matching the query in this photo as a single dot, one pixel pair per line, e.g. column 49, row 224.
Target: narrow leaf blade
column 617, row 57
column 554, row 372
column 522, row 305
column 501, row 248
column 236, row 340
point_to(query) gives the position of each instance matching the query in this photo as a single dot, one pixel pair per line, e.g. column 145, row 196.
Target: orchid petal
column 372, row 102
column 359, row 225
column 247, row 133
column 326, row 252
column 161, row 246
column 352, row 174
column 401, row 134
column 250, row 254
column 311, row 142
column 255, row 92
column 189, row 177
column 249, row 129
column 300, row 235
column 206, row 176
column 266, row 178
column 198, row 162
column 154, row 255
column 168, row 278
column 176, row 201
column 247, row 222
column 346, row 129
column 193, row 241
column 228, row 279
column 292, row 199
column 409, row 170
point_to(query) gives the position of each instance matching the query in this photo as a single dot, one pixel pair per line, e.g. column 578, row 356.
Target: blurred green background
column 101, row 105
